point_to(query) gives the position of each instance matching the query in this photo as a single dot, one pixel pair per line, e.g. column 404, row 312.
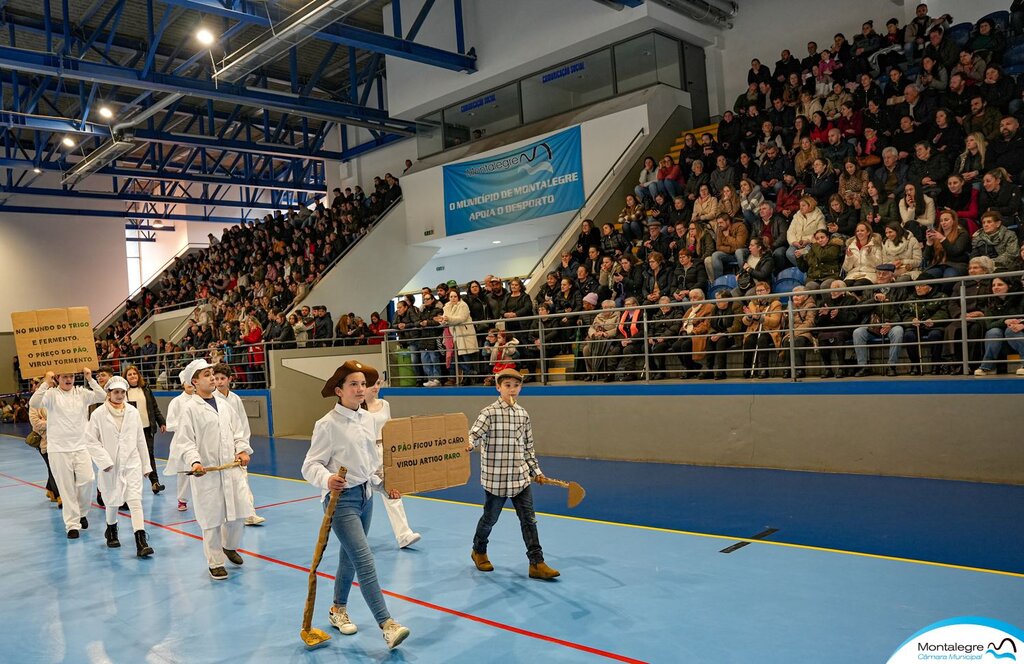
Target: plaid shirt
column 507, row 459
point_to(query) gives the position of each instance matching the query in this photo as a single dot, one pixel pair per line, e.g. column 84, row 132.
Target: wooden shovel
column 576, row 492
column 310, row 635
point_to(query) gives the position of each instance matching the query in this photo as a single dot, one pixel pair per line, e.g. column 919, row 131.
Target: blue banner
column 536, row 180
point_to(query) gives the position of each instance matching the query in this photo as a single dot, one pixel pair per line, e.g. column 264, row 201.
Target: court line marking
column 259, row 507
column 412, row 600
column 805, row 547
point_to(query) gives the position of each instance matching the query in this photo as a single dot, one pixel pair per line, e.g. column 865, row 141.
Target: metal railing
column 743, row 336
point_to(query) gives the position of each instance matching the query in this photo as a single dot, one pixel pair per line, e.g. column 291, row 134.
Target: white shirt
column 67, row 413
column 174, row 410
column 243, row 419
column 343, row 437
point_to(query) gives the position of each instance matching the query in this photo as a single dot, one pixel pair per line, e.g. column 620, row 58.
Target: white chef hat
column 116, row 383
column 194, row 367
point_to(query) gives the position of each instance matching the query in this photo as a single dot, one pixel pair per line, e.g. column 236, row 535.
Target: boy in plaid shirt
column 507, row 466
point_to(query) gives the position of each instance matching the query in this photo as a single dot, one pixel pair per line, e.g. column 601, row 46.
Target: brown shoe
column 482, row 563
column 542, row 571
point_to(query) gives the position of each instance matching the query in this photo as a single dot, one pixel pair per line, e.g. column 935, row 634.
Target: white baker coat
column 126, row 449
column 243, row 419
column 66, row 413
column 213, row 438
column 343, row 437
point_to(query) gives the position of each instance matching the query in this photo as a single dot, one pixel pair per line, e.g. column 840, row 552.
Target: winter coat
column 821, row 262
column 1000, row 246
column 461, row 324
column 860, row 262
column 802, row 227
column 696, row 322
column 908, row 251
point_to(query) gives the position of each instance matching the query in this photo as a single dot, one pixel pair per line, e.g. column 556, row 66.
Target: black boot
column 142, row 547
column 111, row 536
column 157, row 487
column 99, row 499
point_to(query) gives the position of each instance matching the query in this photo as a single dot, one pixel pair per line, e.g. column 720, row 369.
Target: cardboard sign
column 58, row 340
column 426, row 453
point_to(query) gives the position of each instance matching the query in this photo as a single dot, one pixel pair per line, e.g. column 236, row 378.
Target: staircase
column 677, row 147
column 559, row 368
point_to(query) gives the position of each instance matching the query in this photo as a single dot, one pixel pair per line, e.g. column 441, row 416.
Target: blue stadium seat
column 792, row 273
column 1001, row 19
column 1014, row 56
column 960, row 33
column 724, row 282
column 1014, row 69
column 786, row 286
column 1014, row 42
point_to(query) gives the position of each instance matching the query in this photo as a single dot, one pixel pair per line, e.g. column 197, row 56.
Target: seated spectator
column 691, row 151
column 773, row 167
column 976, row 292
column 705, row 207
column 566, row 270
column 1004, row 323
column 670, row 178
column 947, row 247
column 627, row 348
column 841, row 219
column 661, row 211
column 933, row 78
column 769, row 136
column 588, row 237
column 852, row 179
column 883, row 323
column 750, row 201
column 924, row 316
column 788, row 197
column 902, row 250
column 585, row 284
column 697, row 179
column 807, row 154
column 647, row 185
column 997, row 87
column 863, row 254
column 820, row 126
column 821, row 181
column 970, row 165
column 762, row 320
column 691, row 341
column 606, row 277
column 834, row 102
column 877, row 210
column 723, row 176
column 998, row 193
column 772, row 228
column 805, row 314
column 547, row 293
column 631, row 218
column 612, row 241
column 681, row 213
column 730, row 241
column 983, row 118
column 869, row 148
column 917, row 211
column 657, row 278
column 662, row 333
column 726, row 323
column 821, row 260
column 988, row 42
column 689, row 274
column 729, row 202
column 929, row 169
column 655, row 241
column 995, row 241
column 603, row 329
column 629, row 280
column 756, row 267
column 804, row 223
column 747, row 168
column 837, row 314
column 905, row 137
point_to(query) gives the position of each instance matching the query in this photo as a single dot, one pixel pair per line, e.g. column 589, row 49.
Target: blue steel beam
column 47, row 64
column 133, row 197
column 345, row 35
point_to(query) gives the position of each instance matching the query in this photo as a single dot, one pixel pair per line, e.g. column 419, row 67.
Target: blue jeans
column 863, row 336
column 647, row 193
column 994, row 339
column 670, row 188
column 350, row 524
column 523, row 503
column 717, row 262
column 431, row 363
column 415, row 358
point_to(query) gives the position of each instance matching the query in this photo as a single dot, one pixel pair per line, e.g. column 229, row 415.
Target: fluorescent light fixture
column 157, row 223
column 37, row 170
column 106, row 113
column 495, row 241
column 68, row 141
column 205, row 37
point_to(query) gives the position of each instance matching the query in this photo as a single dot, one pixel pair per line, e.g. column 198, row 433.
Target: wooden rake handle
column 318, row 552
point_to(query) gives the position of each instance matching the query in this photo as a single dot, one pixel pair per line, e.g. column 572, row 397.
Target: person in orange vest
column 629, row 346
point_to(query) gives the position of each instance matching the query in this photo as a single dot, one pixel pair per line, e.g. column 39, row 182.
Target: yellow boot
column 542, row 571
column 481, row 562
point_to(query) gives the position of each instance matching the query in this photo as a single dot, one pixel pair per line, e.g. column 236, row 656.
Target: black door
column 695, row 74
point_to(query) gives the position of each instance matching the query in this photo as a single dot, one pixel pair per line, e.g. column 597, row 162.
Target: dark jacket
column 688, row 278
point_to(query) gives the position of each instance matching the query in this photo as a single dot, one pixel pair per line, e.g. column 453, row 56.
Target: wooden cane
column 576, row 492
column 212, row 469
column 310, row 635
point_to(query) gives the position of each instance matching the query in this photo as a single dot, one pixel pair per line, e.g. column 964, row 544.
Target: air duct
column 719, row 13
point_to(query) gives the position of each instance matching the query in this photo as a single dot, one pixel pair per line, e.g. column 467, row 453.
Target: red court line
column 8, row 486
column 260, row 507
column 412, row 600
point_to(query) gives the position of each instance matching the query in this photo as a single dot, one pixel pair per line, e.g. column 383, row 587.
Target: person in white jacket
column 171, row 423
column 208, row 433
column 67, row 411
column 902, row 249
column 380, row 411
column 346, row 437
column 222, row 377
column 117, row 427
column 801, row 229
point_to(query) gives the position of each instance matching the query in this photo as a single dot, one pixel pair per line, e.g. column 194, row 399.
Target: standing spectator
column 460, row 322
column 141, row 397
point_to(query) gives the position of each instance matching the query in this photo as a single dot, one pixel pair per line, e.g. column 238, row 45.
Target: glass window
column 481, row 116
column 635, row 64
column 567, row 86
column 429, row 138
column 669, row 70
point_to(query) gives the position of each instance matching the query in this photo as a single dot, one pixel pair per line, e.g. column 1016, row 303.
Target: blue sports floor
column 856, row 566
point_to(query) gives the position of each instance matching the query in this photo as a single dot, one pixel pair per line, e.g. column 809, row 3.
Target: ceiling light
column 157, row 224
column 37, row 170
column 68, row 141
column 106, row 112
column 495, row 241
column 205, row 37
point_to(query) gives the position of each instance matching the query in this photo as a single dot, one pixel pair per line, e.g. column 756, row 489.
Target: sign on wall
column 532, row 181
column 58, row 340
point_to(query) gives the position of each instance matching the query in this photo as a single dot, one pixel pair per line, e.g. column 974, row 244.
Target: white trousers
column 134, row 508
column 215, row 540
column 396, row 515
column 182, row 487
column 74, row 476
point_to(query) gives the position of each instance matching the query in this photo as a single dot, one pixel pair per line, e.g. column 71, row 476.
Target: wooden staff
column 310, row 635
column 211, row 469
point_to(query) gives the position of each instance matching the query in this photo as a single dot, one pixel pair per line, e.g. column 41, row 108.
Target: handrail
column 369, row 229
column 555, row 247
column 107, row 319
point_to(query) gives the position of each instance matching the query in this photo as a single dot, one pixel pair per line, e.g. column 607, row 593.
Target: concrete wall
column 256, row 403
column 8, row 381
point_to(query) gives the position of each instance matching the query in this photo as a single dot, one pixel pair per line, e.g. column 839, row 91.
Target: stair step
column 556, row 375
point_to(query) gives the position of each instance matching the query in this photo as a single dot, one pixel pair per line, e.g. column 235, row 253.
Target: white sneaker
column 254, row 520
column 433, row 383
column 339, row 618
column 1020, row 372
column 394, row 633
column 408, row 540
column 984, row 372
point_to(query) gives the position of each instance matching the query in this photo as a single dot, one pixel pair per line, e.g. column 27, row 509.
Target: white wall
column 505, row 262
column 764, row 27
column 514, row 39
column 55, row 261
column 154, row 255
